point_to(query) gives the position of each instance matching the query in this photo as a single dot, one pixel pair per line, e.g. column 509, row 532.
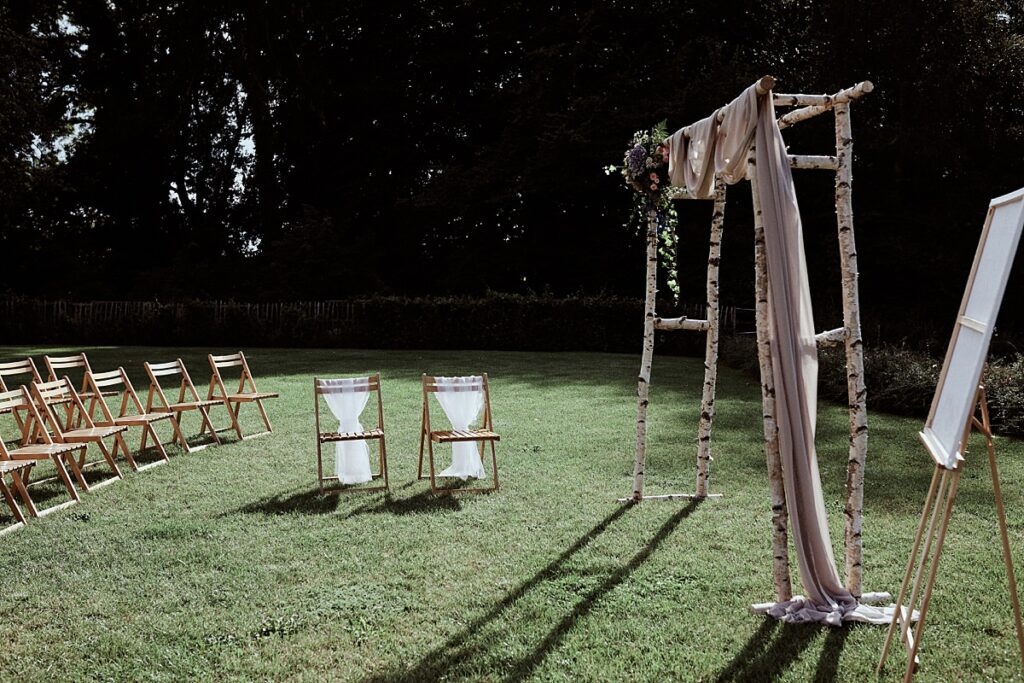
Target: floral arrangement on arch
column 645, row 170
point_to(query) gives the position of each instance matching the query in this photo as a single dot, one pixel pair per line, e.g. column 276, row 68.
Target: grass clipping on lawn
column 225, row 564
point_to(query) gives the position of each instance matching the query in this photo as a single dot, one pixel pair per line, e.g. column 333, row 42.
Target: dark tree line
column 300, row 149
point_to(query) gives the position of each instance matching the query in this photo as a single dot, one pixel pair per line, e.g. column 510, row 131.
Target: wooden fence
column 60, row 311
column 497, row 321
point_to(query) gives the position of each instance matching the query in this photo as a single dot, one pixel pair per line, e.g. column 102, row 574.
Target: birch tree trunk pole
column 707, row 409
column 644, row 379
column 780, row 513
column 855, row 386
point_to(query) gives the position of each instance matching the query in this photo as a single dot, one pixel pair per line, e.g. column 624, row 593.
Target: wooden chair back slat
column 227, row 361
column 18, row 367
column 62, row 389
column 361, row 385
column 55, row 363
column 164, row 372
column 100, row 383
column 13, row 399
column 58, row 388
column 475, row 383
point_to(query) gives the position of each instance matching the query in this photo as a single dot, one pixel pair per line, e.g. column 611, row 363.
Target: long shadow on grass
column 775, row 645
column 311, row 502
column 446, row 660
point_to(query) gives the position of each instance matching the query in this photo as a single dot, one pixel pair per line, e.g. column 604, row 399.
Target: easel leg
column 910, row 569
column 947, row 512
column 1003, row 533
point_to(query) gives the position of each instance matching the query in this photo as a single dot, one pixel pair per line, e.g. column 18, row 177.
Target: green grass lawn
column 225, row 564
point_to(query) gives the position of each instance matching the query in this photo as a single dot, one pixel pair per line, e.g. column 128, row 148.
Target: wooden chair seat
column 33, row 451
column 249, row 397
column 13, row 466
column 188, row 405
column 143, row 419
column 92, row 433
column 352, row 436
column 451, row 436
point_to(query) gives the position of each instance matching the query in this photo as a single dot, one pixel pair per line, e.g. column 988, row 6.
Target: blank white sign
column 957, row 390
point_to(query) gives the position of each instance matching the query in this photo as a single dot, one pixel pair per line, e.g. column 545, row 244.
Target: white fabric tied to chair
column 351, row 458
column 461, row 399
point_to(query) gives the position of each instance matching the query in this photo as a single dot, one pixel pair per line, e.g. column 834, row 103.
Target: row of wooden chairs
column 58, row 421
column 482, row 435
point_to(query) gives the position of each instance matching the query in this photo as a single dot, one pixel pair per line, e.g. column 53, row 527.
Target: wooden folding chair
column 184, row 404
column 60, row 454
column 13, row 470
column 55, row 366
column 25, row 367
column 358, row 384
column 131, row 413
column 233, row 402
column 47, row 394
column 483, row 435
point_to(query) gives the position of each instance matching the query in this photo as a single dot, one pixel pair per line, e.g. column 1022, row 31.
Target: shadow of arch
column 775, row 645
column 445, row 660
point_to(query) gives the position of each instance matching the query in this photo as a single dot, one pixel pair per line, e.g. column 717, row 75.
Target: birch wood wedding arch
column 803, row 107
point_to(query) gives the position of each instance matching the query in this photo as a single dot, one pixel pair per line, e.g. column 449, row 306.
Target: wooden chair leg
column 145, row 437
column 319, row 463
column 233, row 414
column 23, row 492
column 63, row 474
column 178, row 436
column 109, row 457
column 263, row 414
column 494, row 465
column 148, row 428
column 119, row 442
column 419, row 469
column 209, row 423
column 384, row 461
column 11, row 502
column 430, row 449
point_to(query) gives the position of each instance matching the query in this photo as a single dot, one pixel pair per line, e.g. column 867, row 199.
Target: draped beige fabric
column 750, row 120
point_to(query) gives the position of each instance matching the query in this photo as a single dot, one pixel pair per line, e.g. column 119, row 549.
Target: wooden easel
column 941, row 496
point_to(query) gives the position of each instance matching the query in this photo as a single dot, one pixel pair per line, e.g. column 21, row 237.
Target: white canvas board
column 955, row 395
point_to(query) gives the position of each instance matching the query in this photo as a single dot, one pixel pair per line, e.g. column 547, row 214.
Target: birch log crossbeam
column 809, row 112
column 673, row 496
column 832, row 337
column 681, row 324
column 813, row 162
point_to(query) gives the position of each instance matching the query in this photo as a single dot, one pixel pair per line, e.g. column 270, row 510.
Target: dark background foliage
column 273, row 150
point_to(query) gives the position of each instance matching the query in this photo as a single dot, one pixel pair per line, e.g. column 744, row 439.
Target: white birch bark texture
column 855, row 386
column 644, row 379
column 776, row 486
column 707, row 406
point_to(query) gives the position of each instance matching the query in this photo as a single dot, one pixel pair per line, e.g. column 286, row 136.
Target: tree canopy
column 303, row 149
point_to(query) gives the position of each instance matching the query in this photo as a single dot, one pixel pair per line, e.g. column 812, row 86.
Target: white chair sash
column 351, row 458
column 461, row 402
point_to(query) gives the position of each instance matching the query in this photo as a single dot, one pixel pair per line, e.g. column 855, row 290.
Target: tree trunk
column 644, row 380
column 855, row 386
column 707, row 407
column 780, row 514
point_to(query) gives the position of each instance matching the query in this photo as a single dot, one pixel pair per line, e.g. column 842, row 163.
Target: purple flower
column 636, row 158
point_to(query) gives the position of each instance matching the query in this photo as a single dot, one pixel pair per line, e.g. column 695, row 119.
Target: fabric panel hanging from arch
column 720, row 144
